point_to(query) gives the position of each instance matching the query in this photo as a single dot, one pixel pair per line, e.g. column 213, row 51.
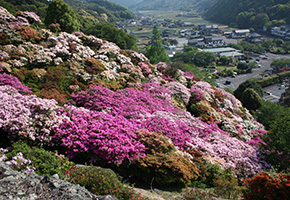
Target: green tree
column 285, row 98
column 156, row 52
column 203, row 59
column 112, row 34
column 277, row 148
column 248, row 84
column 269, row 112
column 225, row 60
column 280, row 63
column 59, row 12
column 250, row 99
column 242, row 66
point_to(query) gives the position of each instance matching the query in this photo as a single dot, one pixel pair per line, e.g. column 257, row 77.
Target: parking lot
column 265, row 65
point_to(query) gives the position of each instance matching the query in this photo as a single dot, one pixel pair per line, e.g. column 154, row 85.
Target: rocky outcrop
column 16, row 185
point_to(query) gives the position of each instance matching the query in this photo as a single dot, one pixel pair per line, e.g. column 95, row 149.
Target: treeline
column 101, row 10
column 182, row 5
column 250, row 14
column 59, row 16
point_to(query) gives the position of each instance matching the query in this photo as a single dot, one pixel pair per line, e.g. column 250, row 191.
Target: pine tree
column 156, row 52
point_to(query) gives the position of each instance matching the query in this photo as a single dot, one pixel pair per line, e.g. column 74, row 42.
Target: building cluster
column 281, row 31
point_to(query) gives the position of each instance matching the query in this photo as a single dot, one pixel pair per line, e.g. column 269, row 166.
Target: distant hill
column 248, row 13
column 126, row 3
column 101, row 10
column 182, row 5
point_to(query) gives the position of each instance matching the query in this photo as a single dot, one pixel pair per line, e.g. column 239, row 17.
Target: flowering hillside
column 89, row 99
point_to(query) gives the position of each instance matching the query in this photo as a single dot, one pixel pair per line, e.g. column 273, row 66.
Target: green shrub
column 46, row 163
column 162, row 166
column 226, row 185
column 101, row 182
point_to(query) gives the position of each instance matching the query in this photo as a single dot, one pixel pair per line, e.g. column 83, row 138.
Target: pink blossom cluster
column 99, row 134
column 7, row 79
column 27, row 115
column 143, row 109
column 161, row 66
column 145, row 68
column 3, row 55
column 22, row 21
column 2, row 154
column 179, row 92
column 196, row 95
column 19, row 163
column 32, row 17
column 167, row 77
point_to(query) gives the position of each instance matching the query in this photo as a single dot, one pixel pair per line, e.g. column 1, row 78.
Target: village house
column 188, row 33
column 226, row 51
column 166, row 33
column 243, row 33
column 282, row 31
column 254, row 38
column 196, row 43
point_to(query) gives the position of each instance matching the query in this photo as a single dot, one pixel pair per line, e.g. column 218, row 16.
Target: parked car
column 265, row 58
column 218, row 85
column 258, row 59
column 281, row 87
column 234, row 76
column 228, row 82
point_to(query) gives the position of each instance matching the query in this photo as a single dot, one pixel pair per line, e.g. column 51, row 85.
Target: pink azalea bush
column 101, row 135
column 145, row 68
column 145, row 109
column 27, row 116
column 7, row 79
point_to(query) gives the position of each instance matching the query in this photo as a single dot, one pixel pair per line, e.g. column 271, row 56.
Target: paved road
column 265, row 64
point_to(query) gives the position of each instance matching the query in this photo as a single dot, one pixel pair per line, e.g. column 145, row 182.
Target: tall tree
column 59, row 12
column 156, row 52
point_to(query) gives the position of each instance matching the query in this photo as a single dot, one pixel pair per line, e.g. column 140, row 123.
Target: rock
column 16, row 185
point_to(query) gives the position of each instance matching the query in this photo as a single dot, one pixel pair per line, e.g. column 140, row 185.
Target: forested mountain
column 183, row 5
column 101, row 10
column 248, row 13
column 126, row 2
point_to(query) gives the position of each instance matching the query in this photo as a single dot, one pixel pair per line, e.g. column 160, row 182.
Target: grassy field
column 159, row 15
column 225, row 67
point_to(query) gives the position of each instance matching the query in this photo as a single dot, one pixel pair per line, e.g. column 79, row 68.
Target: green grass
column 225, row 67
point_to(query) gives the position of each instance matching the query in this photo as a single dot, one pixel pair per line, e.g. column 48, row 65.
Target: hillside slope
column 183, row 5
column 126, row 3
column 102, row 10
column 246, row 13
column 89, row 99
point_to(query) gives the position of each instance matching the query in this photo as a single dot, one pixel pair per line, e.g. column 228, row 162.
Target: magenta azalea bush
column 150, row 109
column 104, row 123
column 99, row 134
column 7, row 79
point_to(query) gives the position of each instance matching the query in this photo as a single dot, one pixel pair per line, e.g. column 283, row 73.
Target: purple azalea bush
column 7, row 79
column 148, row 109
column 103, row 135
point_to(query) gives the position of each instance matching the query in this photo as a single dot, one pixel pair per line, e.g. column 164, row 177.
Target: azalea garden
column 86, row 101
